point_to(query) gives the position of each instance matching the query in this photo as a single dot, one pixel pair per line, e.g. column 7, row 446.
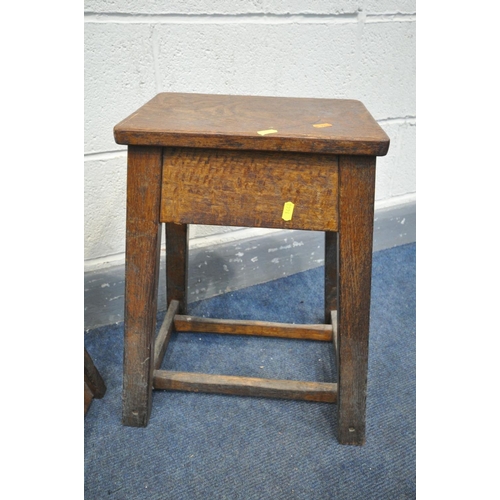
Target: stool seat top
column 309, row 125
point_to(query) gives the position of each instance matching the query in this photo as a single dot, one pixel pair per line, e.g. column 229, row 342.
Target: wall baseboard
column 229, row 266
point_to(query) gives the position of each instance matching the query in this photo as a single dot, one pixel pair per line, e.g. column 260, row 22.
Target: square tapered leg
column 356, row 203
column 142, row 256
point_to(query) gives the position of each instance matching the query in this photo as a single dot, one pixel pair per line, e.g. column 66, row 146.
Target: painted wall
column 362, row 49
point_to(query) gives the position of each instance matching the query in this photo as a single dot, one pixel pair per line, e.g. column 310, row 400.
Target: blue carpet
column 200, row 446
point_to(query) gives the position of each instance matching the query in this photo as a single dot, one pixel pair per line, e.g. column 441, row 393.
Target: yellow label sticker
column 288, row 211
column 268, row 131
column 322, row 125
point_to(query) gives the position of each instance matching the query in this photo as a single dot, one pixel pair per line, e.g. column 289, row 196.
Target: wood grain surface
column 356, row 204
column 331, row 273
column 249, row 188
column 234, row 122
column 194, row 324
column 163, row 337
column 245, row 386
column 176, row 269
column 142, row 254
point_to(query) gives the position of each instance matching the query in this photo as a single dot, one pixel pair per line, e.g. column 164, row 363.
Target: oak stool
column 272, row 162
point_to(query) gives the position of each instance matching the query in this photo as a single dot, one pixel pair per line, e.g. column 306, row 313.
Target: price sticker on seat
column 266, row 132
column 288, row 211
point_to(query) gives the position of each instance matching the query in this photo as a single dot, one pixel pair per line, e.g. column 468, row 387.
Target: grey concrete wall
column 134, row 49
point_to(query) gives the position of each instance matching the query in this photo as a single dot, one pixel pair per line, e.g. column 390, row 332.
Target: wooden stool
column 93, row 386
column 289, row 163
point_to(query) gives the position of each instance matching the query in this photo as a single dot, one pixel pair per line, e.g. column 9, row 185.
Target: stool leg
column 330, row 274
column 177, row 242
column 143, row 238
column 356, row 204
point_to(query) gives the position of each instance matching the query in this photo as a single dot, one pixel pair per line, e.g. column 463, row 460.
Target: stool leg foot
column 356, row 203
column 177, row 242
column 142, row 258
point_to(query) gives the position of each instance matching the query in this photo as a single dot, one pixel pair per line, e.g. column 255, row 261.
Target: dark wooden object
column 233, row 122
column 193, row 324
column 322, row 392
column 163, row 337
column 142, row 254
column 94, row 386
column 249, row 188
column 258, row 162
column 177, row 239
